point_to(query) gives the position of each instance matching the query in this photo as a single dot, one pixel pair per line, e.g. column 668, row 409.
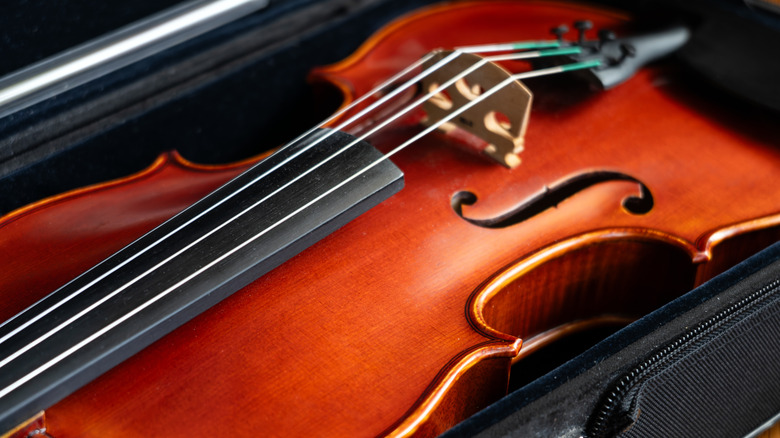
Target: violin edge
column 163, row 161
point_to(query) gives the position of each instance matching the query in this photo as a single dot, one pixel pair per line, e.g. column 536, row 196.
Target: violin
column 472, row 202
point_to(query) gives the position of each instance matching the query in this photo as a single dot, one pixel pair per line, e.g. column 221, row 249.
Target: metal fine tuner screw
column 560, row 31
column 583, row 26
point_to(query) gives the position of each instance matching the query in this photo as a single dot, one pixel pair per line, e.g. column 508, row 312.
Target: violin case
column 241, row 89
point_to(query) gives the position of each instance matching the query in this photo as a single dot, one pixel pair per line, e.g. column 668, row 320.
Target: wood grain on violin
column 407, row 319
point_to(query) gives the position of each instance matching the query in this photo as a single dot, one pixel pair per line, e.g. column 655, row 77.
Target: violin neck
column 205, row 253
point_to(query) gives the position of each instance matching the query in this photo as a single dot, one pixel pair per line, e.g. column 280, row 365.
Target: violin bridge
column 500, row 119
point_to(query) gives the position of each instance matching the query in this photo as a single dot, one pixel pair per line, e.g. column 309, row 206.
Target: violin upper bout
column 110, row 215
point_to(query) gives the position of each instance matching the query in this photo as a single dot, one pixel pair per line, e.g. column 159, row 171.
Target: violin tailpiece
column 500, row 120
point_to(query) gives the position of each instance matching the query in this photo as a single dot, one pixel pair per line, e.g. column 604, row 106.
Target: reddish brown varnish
column 406, row 320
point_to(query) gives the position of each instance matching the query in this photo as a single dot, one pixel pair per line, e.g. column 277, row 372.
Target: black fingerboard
column 183, row 267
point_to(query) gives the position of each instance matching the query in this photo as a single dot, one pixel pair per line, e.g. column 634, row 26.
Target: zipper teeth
column 600, row 423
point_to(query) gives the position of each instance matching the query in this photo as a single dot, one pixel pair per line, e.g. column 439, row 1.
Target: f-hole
column 554, row 195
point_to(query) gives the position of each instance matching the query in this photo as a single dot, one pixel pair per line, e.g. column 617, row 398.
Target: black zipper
column 609, row 419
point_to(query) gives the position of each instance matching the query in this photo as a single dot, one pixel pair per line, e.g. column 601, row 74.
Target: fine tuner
column 462, row 85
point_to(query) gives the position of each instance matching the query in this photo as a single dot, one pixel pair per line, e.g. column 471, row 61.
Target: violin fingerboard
column 186, row 265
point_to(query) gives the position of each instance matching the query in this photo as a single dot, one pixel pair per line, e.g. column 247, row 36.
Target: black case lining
column 726, row 386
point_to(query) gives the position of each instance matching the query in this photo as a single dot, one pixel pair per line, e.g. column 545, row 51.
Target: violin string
column 509, row 47
column 387, row 83
column 398, row 90
column 409, row 107
column 221, row 201
column 486, row 48
column 424, row 98
column 115, row 292
column 450, row 116
column 376, row 90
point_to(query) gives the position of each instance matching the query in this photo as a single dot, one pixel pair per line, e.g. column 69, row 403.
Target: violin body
column 407, row 320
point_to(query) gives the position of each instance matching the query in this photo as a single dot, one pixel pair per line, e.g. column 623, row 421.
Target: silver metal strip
column 103, row 55
column 764, row 427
